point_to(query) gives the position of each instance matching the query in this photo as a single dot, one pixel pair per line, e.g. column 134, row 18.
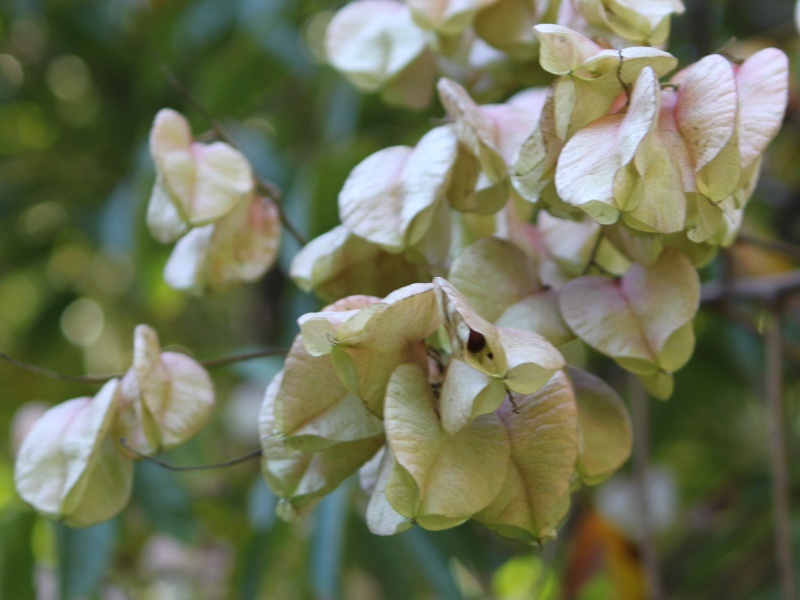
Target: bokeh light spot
column 82, row 322
column 28, row 37
column 11, row 70
column 40, row 222
column 68, row 78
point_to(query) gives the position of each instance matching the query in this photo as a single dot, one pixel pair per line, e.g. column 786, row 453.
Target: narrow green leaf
column 327, row 545
column 432, row 563
column 164, row 501
column 84, row 556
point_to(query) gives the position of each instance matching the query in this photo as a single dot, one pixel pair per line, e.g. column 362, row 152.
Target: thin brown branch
column 235, row 358
column 100, row 379
column 161, row 463
column 269, row 189
column 641, row 454
column 273, row 193
column 91, row 379
column 785, row 248
column 773, row 380
column 768, row 288
column 176, row 83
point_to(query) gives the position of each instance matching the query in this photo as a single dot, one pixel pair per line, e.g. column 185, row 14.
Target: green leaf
column 540, row 314
column 532, row 360
column 657, row 202
column 538, row 154
column 164, row 500
column 569, row 246
column 645, row 22
column 445, row 17
column 473, row 339
column 432, row 563
column 84, row 556
column 587, row 175
column 327, row 544
column 508, row 25
column 641, row 248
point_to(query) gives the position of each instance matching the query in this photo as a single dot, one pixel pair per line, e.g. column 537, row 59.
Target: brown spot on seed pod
column 476, row 341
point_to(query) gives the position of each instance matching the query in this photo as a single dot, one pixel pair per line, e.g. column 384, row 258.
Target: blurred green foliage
column 80, row 81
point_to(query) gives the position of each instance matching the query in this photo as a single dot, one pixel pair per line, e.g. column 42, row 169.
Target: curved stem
column 161, row 463
column 55, row 374
column 593, row 254
column 100, row 379
column 235, row 358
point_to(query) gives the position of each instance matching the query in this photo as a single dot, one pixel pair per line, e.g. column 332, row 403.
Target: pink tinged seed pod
column 196, row 183
column 641, row 21
column 238, row 248
column 372, row 41
column 339, row 263
column 70, row 466
column 592, row 166
column 300, row 479
column 762, row 83
column 447, row 17
column 431, row 466
column 367, row 344
column 643, row 321
column 166, row 397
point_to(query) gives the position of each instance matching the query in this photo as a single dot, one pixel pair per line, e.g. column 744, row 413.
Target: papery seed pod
column 196, row 183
